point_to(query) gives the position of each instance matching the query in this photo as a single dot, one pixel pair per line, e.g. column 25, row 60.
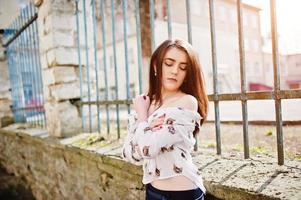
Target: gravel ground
column 262, row 140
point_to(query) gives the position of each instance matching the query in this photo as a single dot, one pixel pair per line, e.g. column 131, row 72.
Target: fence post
column 145, row 40
column 58, row 54
column 6, row 116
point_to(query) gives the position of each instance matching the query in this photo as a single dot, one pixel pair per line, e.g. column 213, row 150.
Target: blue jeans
column 153, row 193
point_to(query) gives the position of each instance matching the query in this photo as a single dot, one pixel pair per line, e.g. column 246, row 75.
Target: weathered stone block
column 63, row 119
column 64, row 6
column 46, row 41
column 38, row 2
column 46, row 92
column 48, row 26
column 44, row 9
column 43, row 60
column 65, row 91
column 5, row 94
column 63, row 22
column 2, row 55
column 5, row 106
column 48, row 77
column 62, row 56
column 6, row 120
column 65, row 39
column 56, row 75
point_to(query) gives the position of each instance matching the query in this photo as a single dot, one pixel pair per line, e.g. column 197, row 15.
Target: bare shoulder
column 189, row 102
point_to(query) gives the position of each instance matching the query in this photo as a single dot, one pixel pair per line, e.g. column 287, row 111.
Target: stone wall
column 86, row 167
column 55, row 171
column 5, row 96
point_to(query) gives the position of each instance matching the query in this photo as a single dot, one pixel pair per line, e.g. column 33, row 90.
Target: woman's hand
column 157, row 123
column 141, row 105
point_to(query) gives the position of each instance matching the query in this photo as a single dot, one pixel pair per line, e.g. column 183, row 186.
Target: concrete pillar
column 58, row 54
column 6, row 116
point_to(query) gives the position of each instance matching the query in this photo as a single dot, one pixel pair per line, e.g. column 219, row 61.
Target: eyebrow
column 175, row 60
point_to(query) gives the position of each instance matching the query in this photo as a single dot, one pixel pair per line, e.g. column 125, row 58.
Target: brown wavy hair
column 193, row 83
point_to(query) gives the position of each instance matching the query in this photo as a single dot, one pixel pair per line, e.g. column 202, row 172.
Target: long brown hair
column 194, row 81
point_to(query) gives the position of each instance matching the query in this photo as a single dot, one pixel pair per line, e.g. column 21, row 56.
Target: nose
column 174, row 70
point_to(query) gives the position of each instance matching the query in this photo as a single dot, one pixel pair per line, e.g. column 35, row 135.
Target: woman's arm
column 166, row 130
column 130, row 151
column 153, row 141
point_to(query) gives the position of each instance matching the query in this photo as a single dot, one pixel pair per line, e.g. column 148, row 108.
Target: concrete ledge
column 87, row 167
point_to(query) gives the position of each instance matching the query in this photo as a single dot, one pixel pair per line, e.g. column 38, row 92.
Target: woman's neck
column 169, row 94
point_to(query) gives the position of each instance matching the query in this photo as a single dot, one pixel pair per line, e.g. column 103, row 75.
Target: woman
column 162, row 130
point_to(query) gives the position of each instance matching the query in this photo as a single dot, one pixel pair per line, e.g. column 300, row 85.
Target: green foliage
column 238, row 147
column 269, row 133
column 260, row 150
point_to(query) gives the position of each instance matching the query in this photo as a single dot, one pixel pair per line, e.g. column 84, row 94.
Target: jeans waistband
column 155, row 193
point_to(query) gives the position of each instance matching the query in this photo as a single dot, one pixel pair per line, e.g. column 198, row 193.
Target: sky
column 288, row 23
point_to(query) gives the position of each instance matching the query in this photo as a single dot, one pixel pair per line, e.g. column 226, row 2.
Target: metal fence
column 99, row 39
column 22, row 49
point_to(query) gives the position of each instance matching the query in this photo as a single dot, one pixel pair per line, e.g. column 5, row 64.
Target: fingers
column 157, row 123
column 157, row 128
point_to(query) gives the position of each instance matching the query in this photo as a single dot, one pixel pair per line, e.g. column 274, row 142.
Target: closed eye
column 168, row 64
column 183, row 68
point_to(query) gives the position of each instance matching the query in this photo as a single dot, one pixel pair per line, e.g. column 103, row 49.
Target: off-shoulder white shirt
column 165, row 150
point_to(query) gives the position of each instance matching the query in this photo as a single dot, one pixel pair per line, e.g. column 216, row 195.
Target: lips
column 172, row 79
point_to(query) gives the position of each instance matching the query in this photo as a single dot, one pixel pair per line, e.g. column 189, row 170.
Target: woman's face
column 174, row 69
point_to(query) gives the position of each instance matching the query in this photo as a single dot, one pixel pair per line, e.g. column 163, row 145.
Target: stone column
column 6, row 116
column 58, row 54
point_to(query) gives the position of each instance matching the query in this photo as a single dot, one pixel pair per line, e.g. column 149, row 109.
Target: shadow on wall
column 13, row 188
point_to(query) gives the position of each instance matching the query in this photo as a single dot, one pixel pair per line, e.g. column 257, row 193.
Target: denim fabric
column 153, row 193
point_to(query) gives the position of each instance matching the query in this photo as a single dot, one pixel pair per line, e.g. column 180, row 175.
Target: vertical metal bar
column 34, row 37
column 19, row 87
column 243, row 79
column 104, row 44
column 87, row 64
column 19, row 113
column 115, row 65
column 96, row 63
column 138, row 36
column 39, row 66
column 169, row 19
column 29, row 78
column 10, row 64
column 152, row 22
column 33, row 68
column 278, row 108
column 23, row 67
column 12, row 50
column 80, row 65
column 188, row 14
column 19, row 71
column 9, row 51
column 215, row 82
column 127, row 79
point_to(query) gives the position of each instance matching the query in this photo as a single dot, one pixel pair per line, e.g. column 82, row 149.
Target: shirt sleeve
column 153, row 141
column 130, row 151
